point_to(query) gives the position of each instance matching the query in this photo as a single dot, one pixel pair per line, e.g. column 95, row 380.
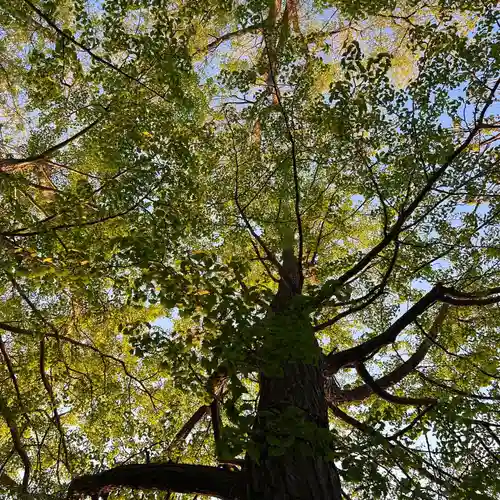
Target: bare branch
column 403, row 370
column 181, row 478
column 365, row 375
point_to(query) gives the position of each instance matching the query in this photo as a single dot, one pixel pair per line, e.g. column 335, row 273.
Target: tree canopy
column 250, row 249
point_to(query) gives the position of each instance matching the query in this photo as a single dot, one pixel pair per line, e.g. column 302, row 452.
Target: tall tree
column 250, row 249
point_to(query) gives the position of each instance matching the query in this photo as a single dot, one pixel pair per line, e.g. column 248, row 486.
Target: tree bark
column 294, row 474
column 288, row 464
column 181, row 478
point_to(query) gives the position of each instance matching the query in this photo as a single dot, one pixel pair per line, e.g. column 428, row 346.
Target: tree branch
column 50, row 392
column 335, row 361
column 370, row 431
column 233, row 34
column 9, row 165
column 421, row 414
column 181, row 478
column 454, row 390
column 365, row 375
column 371, row 296
column 403, row 370
column 294, row 165
column 189, row 425
column 270, row 255
column 22, row 331
column 16, row 438
column 94, row 56
column 396, row 229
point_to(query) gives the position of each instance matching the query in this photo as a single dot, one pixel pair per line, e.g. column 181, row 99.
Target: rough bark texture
column 293, row 474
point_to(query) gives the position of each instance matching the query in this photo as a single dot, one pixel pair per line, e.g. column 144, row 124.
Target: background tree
column 250, row 250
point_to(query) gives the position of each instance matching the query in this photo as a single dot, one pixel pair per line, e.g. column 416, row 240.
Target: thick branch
column 7, row 482
column 16, row 438
column 335, row 361
column 58, row 337
column 189, row 425
column 398, row 374
column 215, row 414
column 365, row 375
column 181, row 478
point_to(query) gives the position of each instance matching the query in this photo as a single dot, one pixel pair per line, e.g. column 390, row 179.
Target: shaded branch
column 403, row 370
column 296, row 184
column 335, row 361
column 189, row 425
column 19, row 233
column 365, row 375
column 181, row 478
column 216, row 422
column 370, row 431
column 454, row 390
column 50, row 392
column 16, row 438
column 438, row 293
column 421, row 414
column 10, row 369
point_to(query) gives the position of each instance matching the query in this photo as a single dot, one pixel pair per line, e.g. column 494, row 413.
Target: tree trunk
column 294, row 474
column 290, row 434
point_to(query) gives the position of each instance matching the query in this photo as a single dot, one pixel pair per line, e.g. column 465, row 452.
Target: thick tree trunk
column 290, row 434
column 294, row 474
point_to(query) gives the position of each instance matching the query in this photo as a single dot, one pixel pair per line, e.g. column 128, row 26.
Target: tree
column 250, row 250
